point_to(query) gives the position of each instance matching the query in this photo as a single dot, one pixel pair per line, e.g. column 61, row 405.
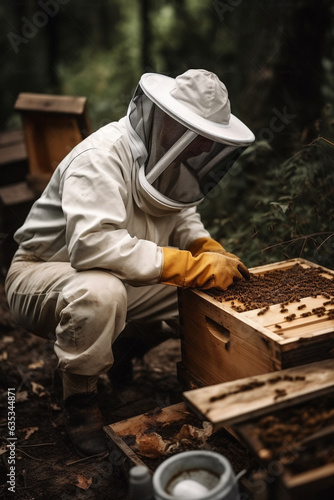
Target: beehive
column 283, row 317
column 298, row 443
column 53, row 125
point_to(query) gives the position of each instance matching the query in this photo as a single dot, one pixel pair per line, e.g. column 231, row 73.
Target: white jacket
column 88, row 215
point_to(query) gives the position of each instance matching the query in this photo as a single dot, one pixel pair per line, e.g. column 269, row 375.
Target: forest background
column 276, row 59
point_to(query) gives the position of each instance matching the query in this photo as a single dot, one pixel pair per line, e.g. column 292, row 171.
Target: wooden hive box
column 53, row 125
column 13, row 157
column 222, row 340
column 287, row 419
column 299, row 461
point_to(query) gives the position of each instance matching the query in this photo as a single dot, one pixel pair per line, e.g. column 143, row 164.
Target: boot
column 84, row 424
column 121, row 373
column 133, row 343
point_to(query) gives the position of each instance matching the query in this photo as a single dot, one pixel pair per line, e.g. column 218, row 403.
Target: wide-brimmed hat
column 198, row 100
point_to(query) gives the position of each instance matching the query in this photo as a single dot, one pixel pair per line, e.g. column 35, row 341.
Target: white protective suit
column 90, row 253
column 93, row 251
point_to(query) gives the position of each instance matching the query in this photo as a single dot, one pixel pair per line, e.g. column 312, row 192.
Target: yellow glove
column 208, row 245
column 207, row 270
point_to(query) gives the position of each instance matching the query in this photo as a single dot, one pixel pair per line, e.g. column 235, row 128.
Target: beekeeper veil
column 183, row 137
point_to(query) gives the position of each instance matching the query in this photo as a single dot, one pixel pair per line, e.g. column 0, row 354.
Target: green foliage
column 277, row 210
column 107, row 77
column 303, row 215
column 99, row 78
column 266, row 208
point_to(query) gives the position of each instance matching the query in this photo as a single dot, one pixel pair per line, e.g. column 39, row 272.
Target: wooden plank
column 12, row 147
column 311, row 478
column 13, row 153
column 16, row 193
column 239, row 400
column 49, row 103
column 131, row 459
column 287, row 264
column 10, row 137
column 311, row 329
column 274, row 315
column 326, row 332
column 142, row 422
column 281, row 265
column 299, row 326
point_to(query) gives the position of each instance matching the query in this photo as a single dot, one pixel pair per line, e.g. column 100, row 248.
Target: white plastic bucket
column 201, row 475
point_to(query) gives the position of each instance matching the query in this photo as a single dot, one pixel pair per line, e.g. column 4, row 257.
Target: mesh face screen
column 195, row 168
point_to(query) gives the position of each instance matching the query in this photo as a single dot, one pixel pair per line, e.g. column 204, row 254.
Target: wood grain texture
column 240, row 400
column 220, row 344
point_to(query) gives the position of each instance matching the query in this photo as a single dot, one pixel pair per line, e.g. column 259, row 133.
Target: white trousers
column 82, row 311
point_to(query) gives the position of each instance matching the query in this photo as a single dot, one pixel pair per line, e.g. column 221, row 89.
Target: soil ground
column 46, row 465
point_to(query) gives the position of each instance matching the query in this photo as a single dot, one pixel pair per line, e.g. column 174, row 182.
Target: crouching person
column 116, row 231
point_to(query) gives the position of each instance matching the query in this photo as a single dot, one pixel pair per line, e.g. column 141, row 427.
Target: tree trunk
column 283, row 97
column 146, row 38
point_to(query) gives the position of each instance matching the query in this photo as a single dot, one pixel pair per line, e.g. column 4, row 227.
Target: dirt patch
column 46, row 465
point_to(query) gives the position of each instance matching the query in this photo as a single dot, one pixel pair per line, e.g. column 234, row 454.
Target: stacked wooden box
column 224, row 339
column 52, row 126
column 263, row 364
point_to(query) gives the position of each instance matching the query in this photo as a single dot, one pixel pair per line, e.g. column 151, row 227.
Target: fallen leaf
column 151, row 445
column 55, row 407
column 36, row 364
column 7, row 339
column 28, row 431
column 83, row 483
column 21, row 396
column 3, row 449
column 38, row 389
column 188, row 431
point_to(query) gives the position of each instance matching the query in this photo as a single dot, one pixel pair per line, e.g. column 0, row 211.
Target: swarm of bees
column 281, row 287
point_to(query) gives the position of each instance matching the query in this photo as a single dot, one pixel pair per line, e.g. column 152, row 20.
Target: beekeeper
column 116, row 224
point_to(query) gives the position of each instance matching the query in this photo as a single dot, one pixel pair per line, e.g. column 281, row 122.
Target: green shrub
column 266, row 210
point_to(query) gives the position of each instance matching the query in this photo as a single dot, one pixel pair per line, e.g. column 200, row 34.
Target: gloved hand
column 208, row 245
column 207, row 270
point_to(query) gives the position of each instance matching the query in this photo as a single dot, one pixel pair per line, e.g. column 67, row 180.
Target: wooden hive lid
column 27, row 101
